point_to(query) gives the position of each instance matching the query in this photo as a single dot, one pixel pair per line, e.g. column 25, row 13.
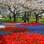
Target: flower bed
column 22, row 38
column 18, row 26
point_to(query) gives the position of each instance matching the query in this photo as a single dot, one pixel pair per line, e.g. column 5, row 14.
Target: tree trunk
column 14, row 16
column 10, row 17
column 36, row 18
column 25, row 21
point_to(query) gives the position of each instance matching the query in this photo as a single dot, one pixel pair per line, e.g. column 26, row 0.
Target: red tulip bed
column 21, row 37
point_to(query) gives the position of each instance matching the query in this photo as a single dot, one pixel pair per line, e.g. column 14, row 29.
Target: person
column 36, row 16
column 26, row 17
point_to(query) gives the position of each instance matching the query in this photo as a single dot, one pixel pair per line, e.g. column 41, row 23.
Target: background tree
column 14, row 14
column 24, row 5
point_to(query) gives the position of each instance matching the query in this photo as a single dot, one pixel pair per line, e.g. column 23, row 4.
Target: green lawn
column 20, row 20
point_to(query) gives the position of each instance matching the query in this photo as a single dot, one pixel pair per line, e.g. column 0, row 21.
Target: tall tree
column 13, row 11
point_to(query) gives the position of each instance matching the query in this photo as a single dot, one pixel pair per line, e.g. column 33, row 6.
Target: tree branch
column 9, row 8
column 14, row 8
